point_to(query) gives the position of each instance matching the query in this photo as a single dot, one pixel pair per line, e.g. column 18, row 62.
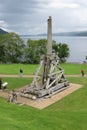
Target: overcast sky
column 30, row 16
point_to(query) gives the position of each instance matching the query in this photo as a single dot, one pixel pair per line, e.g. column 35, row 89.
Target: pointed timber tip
column 49, row 17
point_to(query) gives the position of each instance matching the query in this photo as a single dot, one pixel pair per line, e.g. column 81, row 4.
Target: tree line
column 14, row 50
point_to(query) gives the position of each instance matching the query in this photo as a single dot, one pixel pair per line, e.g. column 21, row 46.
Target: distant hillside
column 2, row 31
column 79, row 33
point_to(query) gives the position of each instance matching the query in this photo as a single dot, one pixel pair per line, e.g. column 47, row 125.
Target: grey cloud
column 17, row 6
column 19, row 9
column 81, row 3
column 30, row 16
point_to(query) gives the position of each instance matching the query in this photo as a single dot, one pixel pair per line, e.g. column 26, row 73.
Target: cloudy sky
column 30, row 16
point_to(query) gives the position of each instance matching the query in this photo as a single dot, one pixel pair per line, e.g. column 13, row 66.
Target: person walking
column 21, row 72
column 0, row 83
column 82, row 72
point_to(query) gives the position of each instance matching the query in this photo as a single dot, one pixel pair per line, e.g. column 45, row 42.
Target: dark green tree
column 2, row 53
column 62, row 50
column 2, row 48
column 13, row 47
column 34, row 49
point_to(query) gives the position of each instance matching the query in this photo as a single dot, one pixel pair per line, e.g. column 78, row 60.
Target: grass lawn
column 70, row 113
column 31, row 69
column 15, row 68
column 14, row 83
column 74, row 68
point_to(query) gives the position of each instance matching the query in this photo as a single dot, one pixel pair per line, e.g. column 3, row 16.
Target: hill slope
column 77, row 33
column 2, row 31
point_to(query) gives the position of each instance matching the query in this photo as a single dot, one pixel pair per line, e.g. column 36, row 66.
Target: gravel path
column 31, row 76
column 18, row 76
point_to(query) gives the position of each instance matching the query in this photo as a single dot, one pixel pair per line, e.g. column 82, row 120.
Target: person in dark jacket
column 21, row 72
column 0, row 83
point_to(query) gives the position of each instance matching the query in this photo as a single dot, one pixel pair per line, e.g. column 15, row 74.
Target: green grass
column 31, row 69
column 75, row 101
column 15, row 68
column 70, row 113
column 27, row 118
column 74, row 68
column 14, row 83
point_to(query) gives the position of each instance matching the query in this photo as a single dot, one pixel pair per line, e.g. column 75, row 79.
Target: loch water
column 77, row 46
